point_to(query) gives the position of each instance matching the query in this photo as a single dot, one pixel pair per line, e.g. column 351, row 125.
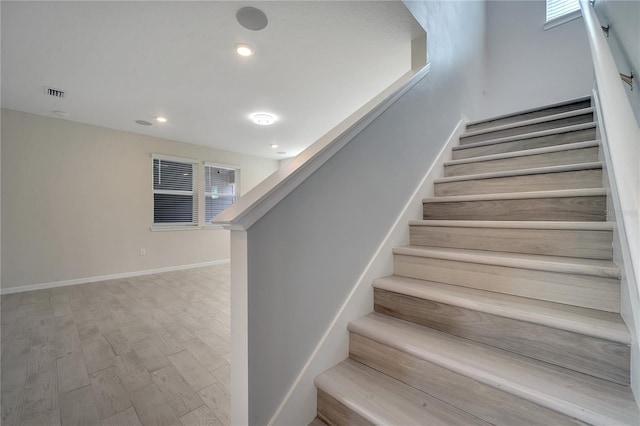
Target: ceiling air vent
column 56, row 93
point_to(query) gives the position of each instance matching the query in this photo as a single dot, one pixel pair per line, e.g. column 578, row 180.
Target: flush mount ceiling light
column 273, row 145
column 263, row 118
column 251, row 18
column 243, row 49
column 161, row 119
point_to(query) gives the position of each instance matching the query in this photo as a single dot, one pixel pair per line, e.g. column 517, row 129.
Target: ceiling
column 314, row 64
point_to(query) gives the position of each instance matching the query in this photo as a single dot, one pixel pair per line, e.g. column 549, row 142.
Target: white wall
column 77, row 202
column 623, row 19
column 528, row 66
column 307, row 253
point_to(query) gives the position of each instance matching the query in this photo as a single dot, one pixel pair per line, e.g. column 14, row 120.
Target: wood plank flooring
column 151, row 350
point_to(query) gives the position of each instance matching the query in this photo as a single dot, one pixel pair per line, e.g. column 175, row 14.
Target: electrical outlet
column 143, row 252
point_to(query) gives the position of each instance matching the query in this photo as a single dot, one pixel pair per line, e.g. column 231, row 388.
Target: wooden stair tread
column 590, row 322
column 381, row 399
column 567, row 265
column 522, row 172
column 562, row 193
column 576, row 226
column 530, row 110
column 524, row 153
column 566, row 129
column 529, row 122
column 578, row 395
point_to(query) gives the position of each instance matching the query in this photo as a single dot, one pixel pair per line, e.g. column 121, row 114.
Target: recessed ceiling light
column 161, row 119
column 281, row 152
column 143, row 122
column 243, row 49
column 263, row 118
column 61, row 113
column 274, row 145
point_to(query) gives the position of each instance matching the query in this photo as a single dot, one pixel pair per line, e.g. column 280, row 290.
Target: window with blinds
column 175, row 200
column 220, row 189
column 557, row 9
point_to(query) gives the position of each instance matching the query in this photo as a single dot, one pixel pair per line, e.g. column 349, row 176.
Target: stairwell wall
column 528, row 66
column 305, row 255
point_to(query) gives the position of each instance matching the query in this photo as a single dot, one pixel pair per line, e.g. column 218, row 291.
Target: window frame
column 236, row 187
column 194, row 224
column 561, row 19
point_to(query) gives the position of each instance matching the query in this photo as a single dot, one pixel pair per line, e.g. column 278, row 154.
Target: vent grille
column 56, row 93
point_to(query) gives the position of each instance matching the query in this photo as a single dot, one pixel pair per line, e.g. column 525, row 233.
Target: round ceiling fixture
column 252, row 18
column 273, row 145
column 143, row 122
column 243, row 49
column 263, row 118
column 161, row 119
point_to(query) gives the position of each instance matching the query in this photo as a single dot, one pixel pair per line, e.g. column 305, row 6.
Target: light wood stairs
column 504, row 308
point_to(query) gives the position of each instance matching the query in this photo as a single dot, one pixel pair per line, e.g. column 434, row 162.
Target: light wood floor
column 151, row 350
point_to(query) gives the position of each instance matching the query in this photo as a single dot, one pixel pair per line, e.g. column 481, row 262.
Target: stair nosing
column 537, row 262
column 550, row 386
column 560, row 193
column 534, row 311
column 577, row 226
column 385, row 387
column 525, row 152
column 529, row 110
column 537, row 120
column 531, row 135
column 594, row 165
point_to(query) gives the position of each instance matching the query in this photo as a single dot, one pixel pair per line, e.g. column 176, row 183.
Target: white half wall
column 308, row 252
column 528, row 66
column 77, row 202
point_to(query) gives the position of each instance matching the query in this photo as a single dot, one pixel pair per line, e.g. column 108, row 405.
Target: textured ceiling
column 315, row 63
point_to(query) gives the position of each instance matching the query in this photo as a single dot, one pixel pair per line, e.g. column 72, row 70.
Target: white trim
column 333, row 345
column 221, row 165
column 174, row 158
column 175, row 227
column 257, row 202
column 562, row 19
column 44, row 286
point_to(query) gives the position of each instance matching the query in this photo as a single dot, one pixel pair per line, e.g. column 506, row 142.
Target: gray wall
column 307, row 253
column 623, row 19
column 528, row 66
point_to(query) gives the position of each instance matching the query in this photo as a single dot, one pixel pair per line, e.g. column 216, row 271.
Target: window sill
column 562, row 20
column 175, row 228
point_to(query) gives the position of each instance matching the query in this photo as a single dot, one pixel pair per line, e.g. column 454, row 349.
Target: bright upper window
column 561, row 11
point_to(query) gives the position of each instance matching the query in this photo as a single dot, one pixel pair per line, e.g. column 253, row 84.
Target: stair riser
column 481, row 400
column 577, row 179
column 585, row 354
column 529, row 116
column 570, row 289
column 334, row 413
column 552, row 242
column 530, row 128
column 583, row 135
column 561, row 158
column 575, row 209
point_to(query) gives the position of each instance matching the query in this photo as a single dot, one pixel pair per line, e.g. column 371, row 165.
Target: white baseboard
column 299, row 404
column 43, row 286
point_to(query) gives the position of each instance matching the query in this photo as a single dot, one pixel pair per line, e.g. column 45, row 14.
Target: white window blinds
column 559, row 8
column 175, row 201
column 220, row 189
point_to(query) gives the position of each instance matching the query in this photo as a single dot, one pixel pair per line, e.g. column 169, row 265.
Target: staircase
column 504, row 309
